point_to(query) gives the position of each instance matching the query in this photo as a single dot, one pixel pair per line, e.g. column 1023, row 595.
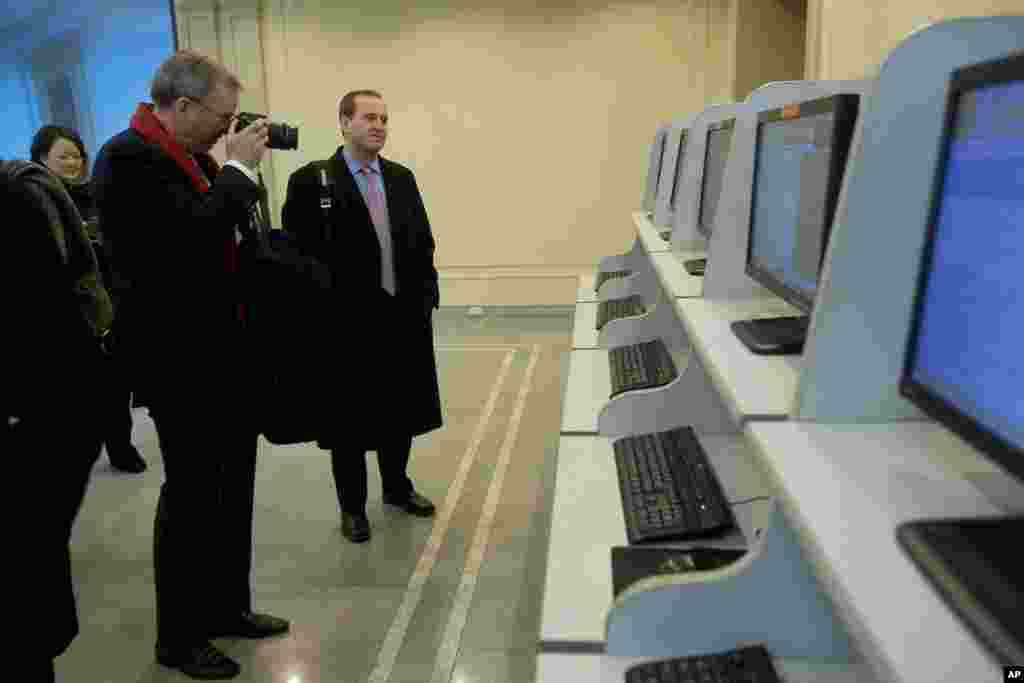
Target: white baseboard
column 511, row 285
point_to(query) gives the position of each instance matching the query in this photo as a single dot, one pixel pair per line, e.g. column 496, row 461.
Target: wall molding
column 513, row 272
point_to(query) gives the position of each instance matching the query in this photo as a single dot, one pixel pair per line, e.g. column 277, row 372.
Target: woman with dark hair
column 62, row 151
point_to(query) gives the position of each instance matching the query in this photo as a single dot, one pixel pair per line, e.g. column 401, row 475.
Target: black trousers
column 115, row 410
column 349, row 468
column 202, row 540
column 59, row 459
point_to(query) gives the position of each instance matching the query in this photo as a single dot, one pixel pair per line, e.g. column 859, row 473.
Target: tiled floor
column 385, row 611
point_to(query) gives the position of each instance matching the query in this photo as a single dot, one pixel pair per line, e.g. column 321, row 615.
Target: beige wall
column 527, row 124
column 721, row 50
column 851, row 39
column 769, row 44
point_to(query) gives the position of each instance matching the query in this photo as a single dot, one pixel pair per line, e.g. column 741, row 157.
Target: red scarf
column 149, row 126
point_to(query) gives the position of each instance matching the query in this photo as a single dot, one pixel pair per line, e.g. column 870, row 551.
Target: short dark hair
column 47, row 136
column 188, row 73
column 347, row 107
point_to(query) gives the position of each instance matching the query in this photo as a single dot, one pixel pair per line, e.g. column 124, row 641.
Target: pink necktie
column 379, row 214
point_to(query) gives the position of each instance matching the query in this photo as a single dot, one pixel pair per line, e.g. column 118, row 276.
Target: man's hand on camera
column 249, row 144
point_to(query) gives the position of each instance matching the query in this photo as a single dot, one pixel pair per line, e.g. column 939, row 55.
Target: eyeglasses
column 226, row 119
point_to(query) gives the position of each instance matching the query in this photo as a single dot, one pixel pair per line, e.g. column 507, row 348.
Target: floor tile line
column 395, row 637
column 450, row 641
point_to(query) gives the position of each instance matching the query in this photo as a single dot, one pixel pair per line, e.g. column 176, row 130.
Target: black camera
column 279, row 135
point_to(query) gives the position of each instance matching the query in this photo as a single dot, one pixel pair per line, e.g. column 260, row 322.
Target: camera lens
column 279, row 135
column 282, row 136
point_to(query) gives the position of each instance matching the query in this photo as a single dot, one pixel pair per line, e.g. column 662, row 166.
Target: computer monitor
column 964, row 362
column 716, row 153
column 799, row 160
column 964, row 365
column 654, row 167
column 677, row 176
column 666, row 230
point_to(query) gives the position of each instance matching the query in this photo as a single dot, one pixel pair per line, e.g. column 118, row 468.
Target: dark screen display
column 715, row 156
column 660, row 155
column 679, row 170
column 791, row 180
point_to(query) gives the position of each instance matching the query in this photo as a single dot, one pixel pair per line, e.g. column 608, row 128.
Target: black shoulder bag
column 287, row 317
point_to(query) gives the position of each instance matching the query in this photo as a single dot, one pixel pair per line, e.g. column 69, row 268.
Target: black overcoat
column 380, row 374
column 178, row 320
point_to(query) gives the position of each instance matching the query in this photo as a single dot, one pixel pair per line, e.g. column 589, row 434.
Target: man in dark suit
column 172, row 219
column 376, row 239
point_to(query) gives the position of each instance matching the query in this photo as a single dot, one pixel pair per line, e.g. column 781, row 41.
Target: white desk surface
column 673, row 276
column 602, row 668
column 649, row 234
column 586, row 292
column 751, row 386
column 587, row 391
column 587, row 521
column 584, row 332
column 846, row 488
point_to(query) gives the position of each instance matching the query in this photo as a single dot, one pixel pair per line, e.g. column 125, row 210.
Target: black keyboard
column 614, row 309
column 974, row 564
column 696, row 266
column 606, row 275
column 640, row 366
column 742, row 665
column 669, row 489
column 772, row 336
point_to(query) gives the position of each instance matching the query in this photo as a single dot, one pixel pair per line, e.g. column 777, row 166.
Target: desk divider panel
column 725, row 277
column 659, row 322
column 628, row 261
column 688, row 400
column 870, row 271
column 770, row 596
column 640, row 283
column 684, row 229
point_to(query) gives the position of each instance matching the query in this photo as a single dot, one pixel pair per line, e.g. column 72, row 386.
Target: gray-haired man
column 171, row 216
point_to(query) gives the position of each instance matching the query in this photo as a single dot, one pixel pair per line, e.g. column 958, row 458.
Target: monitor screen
column 964, row 365
column 799, row 159
column 657, row 157
column 679, row 169
column 666, row 183
column 716, row 153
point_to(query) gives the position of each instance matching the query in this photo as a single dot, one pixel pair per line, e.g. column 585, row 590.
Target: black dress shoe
column 127, row 460
column 251, row 625
column 414, row 504
column 355, row 528
column 199, row 661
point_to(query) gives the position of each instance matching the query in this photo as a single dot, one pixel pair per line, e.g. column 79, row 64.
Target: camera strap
column 327, row 195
